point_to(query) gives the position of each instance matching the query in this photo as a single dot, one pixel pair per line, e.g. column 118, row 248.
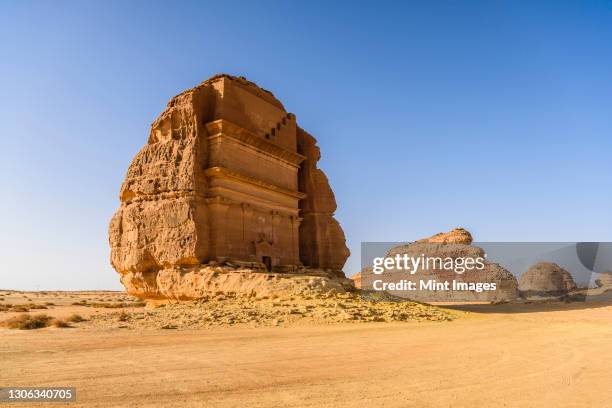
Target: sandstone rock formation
column 186, row 283
column 456, row 236
column 453, row 245
column 604, row 279
column 227, row 176
column 546, row 279
column 357, row 278
column 321, row 237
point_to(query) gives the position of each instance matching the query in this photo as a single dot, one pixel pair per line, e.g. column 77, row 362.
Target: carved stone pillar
column 276, row 244
column 218, row 209
column 249, row 233
column 295, row 239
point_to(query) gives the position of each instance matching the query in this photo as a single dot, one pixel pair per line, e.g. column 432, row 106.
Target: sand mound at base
column 232, row 309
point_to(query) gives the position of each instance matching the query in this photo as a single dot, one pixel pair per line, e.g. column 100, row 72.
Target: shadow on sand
column 592, row 300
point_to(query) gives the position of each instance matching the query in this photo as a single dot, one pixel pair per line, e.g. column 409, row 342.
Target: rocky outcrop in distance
column 452, row 245
column 546, row 279
column 604, row 280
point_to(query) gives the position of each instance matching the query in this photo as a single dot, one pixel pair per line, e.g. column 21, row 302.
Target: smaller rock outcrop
column 453, row 247
column 604, row 280
column 546, row 279
column 456, row 236
column 357, row 278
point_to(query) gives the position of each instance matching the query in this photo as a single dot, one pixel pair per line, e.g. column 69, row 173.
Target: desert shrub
column 75, row 318
column 105, row 305
column 19, row 308
column 59, row 323
column 80, row 303
column 49, row 303
column 35, row 306
column 27, row 322
column 123, row 316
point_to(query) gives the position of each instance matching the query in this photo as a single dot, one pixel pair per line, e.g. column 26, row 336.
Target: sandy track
column 559, row 358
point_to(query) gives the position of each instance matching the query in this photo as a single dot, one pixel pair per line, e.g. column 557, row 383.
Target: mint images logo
column 433, row 285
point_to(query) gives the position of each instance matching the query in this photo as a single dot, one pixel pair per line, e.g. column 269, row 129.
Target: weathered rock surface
column 357, row 278
column 604, row 279
column 546, row 279
column 196, row 282
column 321, row 237
column 456, row 236
column 226, row 175
column 453, row 245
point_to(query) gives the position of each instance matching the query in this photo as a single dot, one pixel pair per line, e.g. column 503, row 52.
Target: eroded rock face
column 456, row 236
column 357, row 279
column 546, row 279
column 322, row 241
column 226, row 176
column 604, row 279
column 190, row 283
column 452, row 245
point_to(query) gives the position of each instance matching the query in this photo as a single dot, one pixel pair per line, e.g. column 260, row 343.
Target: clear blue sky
column 495, row 116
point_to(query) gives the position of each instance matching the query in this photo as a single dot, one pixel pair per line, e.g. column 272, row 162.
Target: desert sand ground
column 527, row 355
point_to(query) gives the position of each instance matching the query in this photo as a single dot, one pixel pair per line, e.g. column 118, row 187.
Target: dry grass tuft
column 35, row 306
column 59, row 323
column 75, row 318
column 26, row 307
column 27, row 322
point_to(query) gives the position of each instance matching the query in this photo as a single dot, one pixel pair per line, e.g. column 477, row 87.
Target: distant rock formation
column 452, row 245
column 456, row 236
column 358, row 277
column 227, row 177
column 604, row 280
column 546, row 279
